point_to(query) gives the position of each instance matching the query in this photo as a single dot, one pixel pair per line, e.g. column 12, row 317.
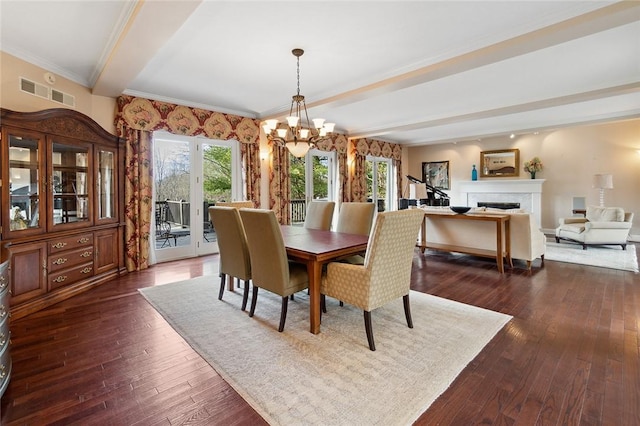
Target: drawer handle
column 86, row 270
column 86, row 254
column 60, row 261
column 59, row 245
column 60, row 278
column 83, row 240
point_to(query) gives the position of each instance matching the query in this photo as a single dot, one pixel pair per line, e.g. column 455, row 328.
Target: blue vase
column 474, row 173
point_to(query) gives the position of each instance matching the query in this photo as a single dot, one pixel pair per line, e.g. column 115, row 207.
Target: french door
column 312, row 178
column 190, row 174
column 381, row 188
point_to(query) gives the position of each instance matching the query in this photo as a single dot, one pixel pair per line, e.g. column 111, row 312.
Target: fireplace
column 526, row 192
column 498, row 205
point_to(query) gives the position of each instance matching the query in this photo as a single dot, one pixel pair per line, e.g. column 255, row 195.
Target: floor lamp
column 602, row 182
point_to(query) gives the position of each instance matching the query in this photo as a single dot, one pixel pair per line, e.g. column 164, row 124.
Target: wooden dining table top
column 315, row 248
column 319, row 242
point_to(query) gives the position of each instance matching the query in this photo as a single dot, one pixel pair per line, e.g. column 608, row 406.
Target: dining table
column 315, row 248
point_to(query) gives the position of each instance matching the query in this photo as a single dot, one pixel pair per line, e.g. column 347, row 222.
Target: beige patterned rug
column 296, row 378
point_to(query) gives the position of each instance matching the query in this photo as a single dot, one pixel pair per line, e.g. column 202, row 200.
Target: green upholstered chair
column 234, row 251
column 319, row 215
column 386, row 272
column 270, row 268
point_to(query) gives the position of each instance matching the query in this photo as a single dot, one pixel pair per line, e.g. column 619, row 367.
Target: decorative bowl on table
column 460, row 209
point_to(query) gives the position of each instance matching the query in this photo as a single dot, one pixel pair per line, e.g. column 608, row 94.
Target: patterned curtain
column 136, row 119
column 138, row 195
column 279, row 183
column 360, row 148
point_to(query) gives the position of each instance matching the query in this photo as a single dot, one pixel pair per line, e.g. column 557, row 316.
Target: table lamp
column 602, row 182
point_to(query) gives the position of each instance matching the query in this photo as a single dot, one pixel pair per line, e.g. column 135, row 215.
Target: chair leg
column 222, row 280
column 254, row 299
column 407, row 310
column 341, row 303
column 369, row 330
column 245, row 295
column 557, row 240
column 542, row 260
column 624, row 246
column 323, row 304
column 283, row 312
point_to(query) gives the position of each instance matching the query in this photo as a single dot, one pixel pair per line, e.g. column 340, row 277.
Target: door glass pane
column 70, row 185
column 216, row 182
column 382, row 178
column 368, row 168
column 298, row 189
column 24, row 183
column 172, row 179
column 320, row 177
column 106, row 184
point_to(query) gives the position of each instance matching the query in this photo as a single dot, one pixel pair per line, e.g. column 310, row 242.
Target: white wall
column 571, row 157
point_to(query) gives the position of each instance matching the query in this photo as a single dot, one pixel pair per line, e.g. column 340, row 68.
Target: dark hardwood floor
column 570, row 356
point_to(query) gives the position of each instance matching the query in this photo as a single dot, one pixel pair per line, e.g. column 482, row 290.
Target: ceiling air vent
column 63, row 98
column 34, row 88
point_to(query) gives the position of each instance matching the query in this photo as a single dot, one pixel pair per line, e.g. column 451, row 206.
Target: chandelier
column 297, row 134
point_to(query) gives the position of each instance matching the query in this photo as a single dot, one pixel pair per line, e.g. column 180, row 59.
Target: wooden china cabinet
column 61, row 216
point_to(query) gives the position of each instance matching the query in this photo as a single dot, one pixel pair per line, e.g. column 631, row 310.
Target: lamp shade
column 603, row 181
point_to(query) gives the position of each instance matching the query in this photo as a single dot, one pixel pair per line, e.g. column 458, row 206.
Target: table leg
column 314, row 269
column 499, row 250
column 507, row 239
column 423, row 234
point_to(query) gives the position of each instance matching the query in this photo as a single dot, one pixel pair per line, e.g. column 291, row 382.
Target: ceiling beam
column 608, row 17
column 150, row 26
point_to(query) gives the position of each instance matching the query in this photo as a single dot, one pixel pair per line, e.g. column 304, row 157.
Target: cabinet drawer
column 5, row 334
column 71, row 275
column 5, row 370
column 4, row 283
column 69, row 243
column 66, row 259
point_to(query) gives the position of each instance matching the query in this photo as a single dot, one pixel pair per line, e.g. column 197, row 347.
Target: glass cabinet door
column 70, row 184
column 25, row 174
column 106, row 185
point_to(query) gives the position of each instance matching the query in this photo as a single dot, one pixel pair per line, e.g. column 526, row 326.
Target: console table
column 503, row 236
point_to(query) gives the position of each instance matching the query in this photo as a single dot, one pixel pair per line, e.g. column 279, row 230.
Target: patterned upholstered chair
column 270, row 268
column 386, row 273
column 234, row 251
column 319, row 215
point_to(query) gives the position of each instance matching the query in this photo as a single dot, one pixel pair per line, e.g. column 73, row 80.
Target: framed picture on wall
column 436, row 174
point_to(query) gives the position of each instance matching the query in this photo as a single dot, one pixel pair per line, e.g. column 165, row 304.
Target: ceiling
column 415, row 73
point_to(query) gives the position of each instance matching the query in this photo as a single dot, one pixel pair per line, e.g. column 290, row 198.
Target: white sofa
column 600, row 226
column 528, row 242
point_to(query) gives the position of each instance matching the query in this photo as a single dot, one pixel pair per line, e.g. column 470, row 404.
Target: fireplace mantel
column 527, row 192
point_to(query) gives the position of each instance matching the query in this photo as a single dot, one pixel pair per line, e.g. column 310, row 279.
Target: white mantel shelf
column 501, row 185
column 527, row 192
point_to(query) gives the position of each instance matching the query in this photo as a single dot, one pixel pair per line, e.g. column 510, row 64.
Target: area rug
column 332, row 378
column 612, row 257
